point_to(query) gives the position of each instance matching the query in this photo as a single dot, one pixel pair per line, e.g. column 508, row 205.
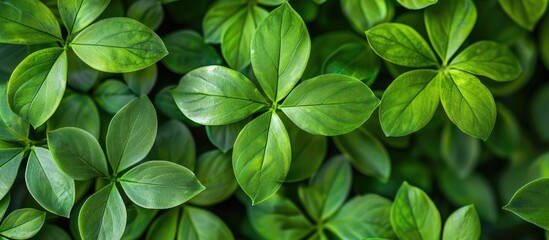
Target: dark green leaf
column 103, row 215
column 530, row 203
column 416, row 4
column 22, row 223
column 506, row 137
column 27, row 22
column 10, row 159
column 325, row 45
column 544, row 42
column 78, row 14
column 148, row 12
column 539, row 114
column 271, row 2
column 165, row 103
column 219, row 17
column 462, row 224
column 4, row 203
column 165, row 225
column 81, row 76
column 141, row 82
column 365, row 14
column 138, row 221
column 224, row 136
column 199, row 224
column 76, row 110
column 182, row 153
column 51, row 232
column 525, row 13
column 12, row 127
column 214, row 170
column 355, row 60
column 308, row 152
column 188, row 51
column 111, row 95
column 460, row 151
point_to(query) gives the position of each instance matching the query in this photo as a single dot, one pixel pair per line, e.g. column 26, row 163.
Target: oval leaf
column 462, row 224
column 219, row 17
column 416, row 4
column 215, row 171
column 196, row 224
column 530, row 203
column 525, row 13
column 76, row 110
column 12, row 126
column 78, row 14
column 182, row 152
column 103, row 215
column 10, row 159
column 22, row 223
column 111, row 95
column 365, row 14
column 188, row 51
column 27, row 22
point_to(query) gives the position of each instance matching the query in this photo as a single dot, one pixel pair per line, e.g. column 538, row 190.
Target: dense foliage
column 274, row 119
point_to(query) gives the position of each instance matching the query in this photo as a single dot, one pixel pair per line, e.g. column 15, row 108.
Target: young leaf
column 530, row 203
column 363, row 216
column 468, row 103
column 148, row 12
column 224, row 136
column 37, row 85
column 219, row 17
column 214, row 170
column 111, row 95
column 489, row 59
column 131, row 133
column 22, row 223
column 160, row 184
column 410, row 102
column 462, row 224
column 448, row 24
column 141, row 82
column 12, row 127
column 182, row 153
column 460, row 151
column 401, row 44
column 51, row 188
column 416, row 4
column 525, row 13
column 78, row 14
column 216, row 95
column 103, row 215
column 280, row 50
column 10, row 159
column 262, row 157
column 77, row 153
column 328, row 189
column 4, row 203
column 188, row 51
column 76, row 110
column 199, row 224
column 331, row 104
column 118, row 45
column 414, row 215
column 27, row 22
column 365, row 14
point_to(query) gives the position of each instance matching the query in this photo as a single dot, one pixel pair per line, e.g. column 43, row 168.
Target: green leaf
column 363, row 15
column 182, row 153
column 160, row 184
column 416, row 4
column 77, row 153
column 12, row 55
column 525, row 13
column 328, row 189
column 363, row 216
column 468, row 103
column 165, row 103
column 22, row 223
column 198, row 224
column 262, row 157
column 164, row 226
column 188, row 51
column 217, row 95
column 111, row 95
column 279, row 218
column 138, row 221
column 400, row 44
column 410, row 102
column 142, row 82
column 51, row 188
column 448, row 24
column 538, row 113
column 214, row 170
column 325, row 45
column 78, row 14
column 131, row 133
column 4, row 204
column 489, row 59
column 506, row 136
column 80, row 76
column 10, row 159
column 27, row 22
column 460, row 152
column 37, row 85
column 280, row 50
column 147, row 12
column 12, row 127
column 530, row 203
column 271, row 2
column 51, row 232
column 224, row 136
column 355, row 60
column 366, row 153
column 414, row 215
column 103, row 215
column 235, row 42
column 331, row 104
column 76, row 110
column 118, row 45
column 462, row 224
column 219, row 17
column 308, row 152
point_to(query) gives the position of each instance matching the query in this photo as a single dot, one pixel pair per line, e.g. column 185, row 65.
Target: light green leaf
column 355, row 60
column 416, row 4
column 363, row 216
column 103, row 215
column 138, row 221
column 279, row 218
column 51, row 232
column 525, row 13
column 460, row 152
column 78, row 14
column 331, row 104
column 164, row 226
column 366, row 153
column 160, row 184
column 224, row 136
column 4, row 203
column 12, row 127
column 22, row 223
column 214, row 170
column 448, row 24
column 118, row 45
column 188, row 51
column 27, row 22
column 111, row 95
column 363, row 15
column 280, row 50
column 271, row 2
column 530, row 203
column 76, row 110
column 410, row 102
column 468, row 103
column 51, row 188
column 262, row 157
column 414, row 215
column 37, row 85
column 148, row 12
column 462, row 224
column 328, row 189
column 401, row 44
column 308, row 152
column 219, row 17
column 199, row 224
column 10, row 159
column 141, row 82
column 131, row 133
column 182, row 153
column 77, row 153
column 235, row 42
column 489, row 59
column 217, row 95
